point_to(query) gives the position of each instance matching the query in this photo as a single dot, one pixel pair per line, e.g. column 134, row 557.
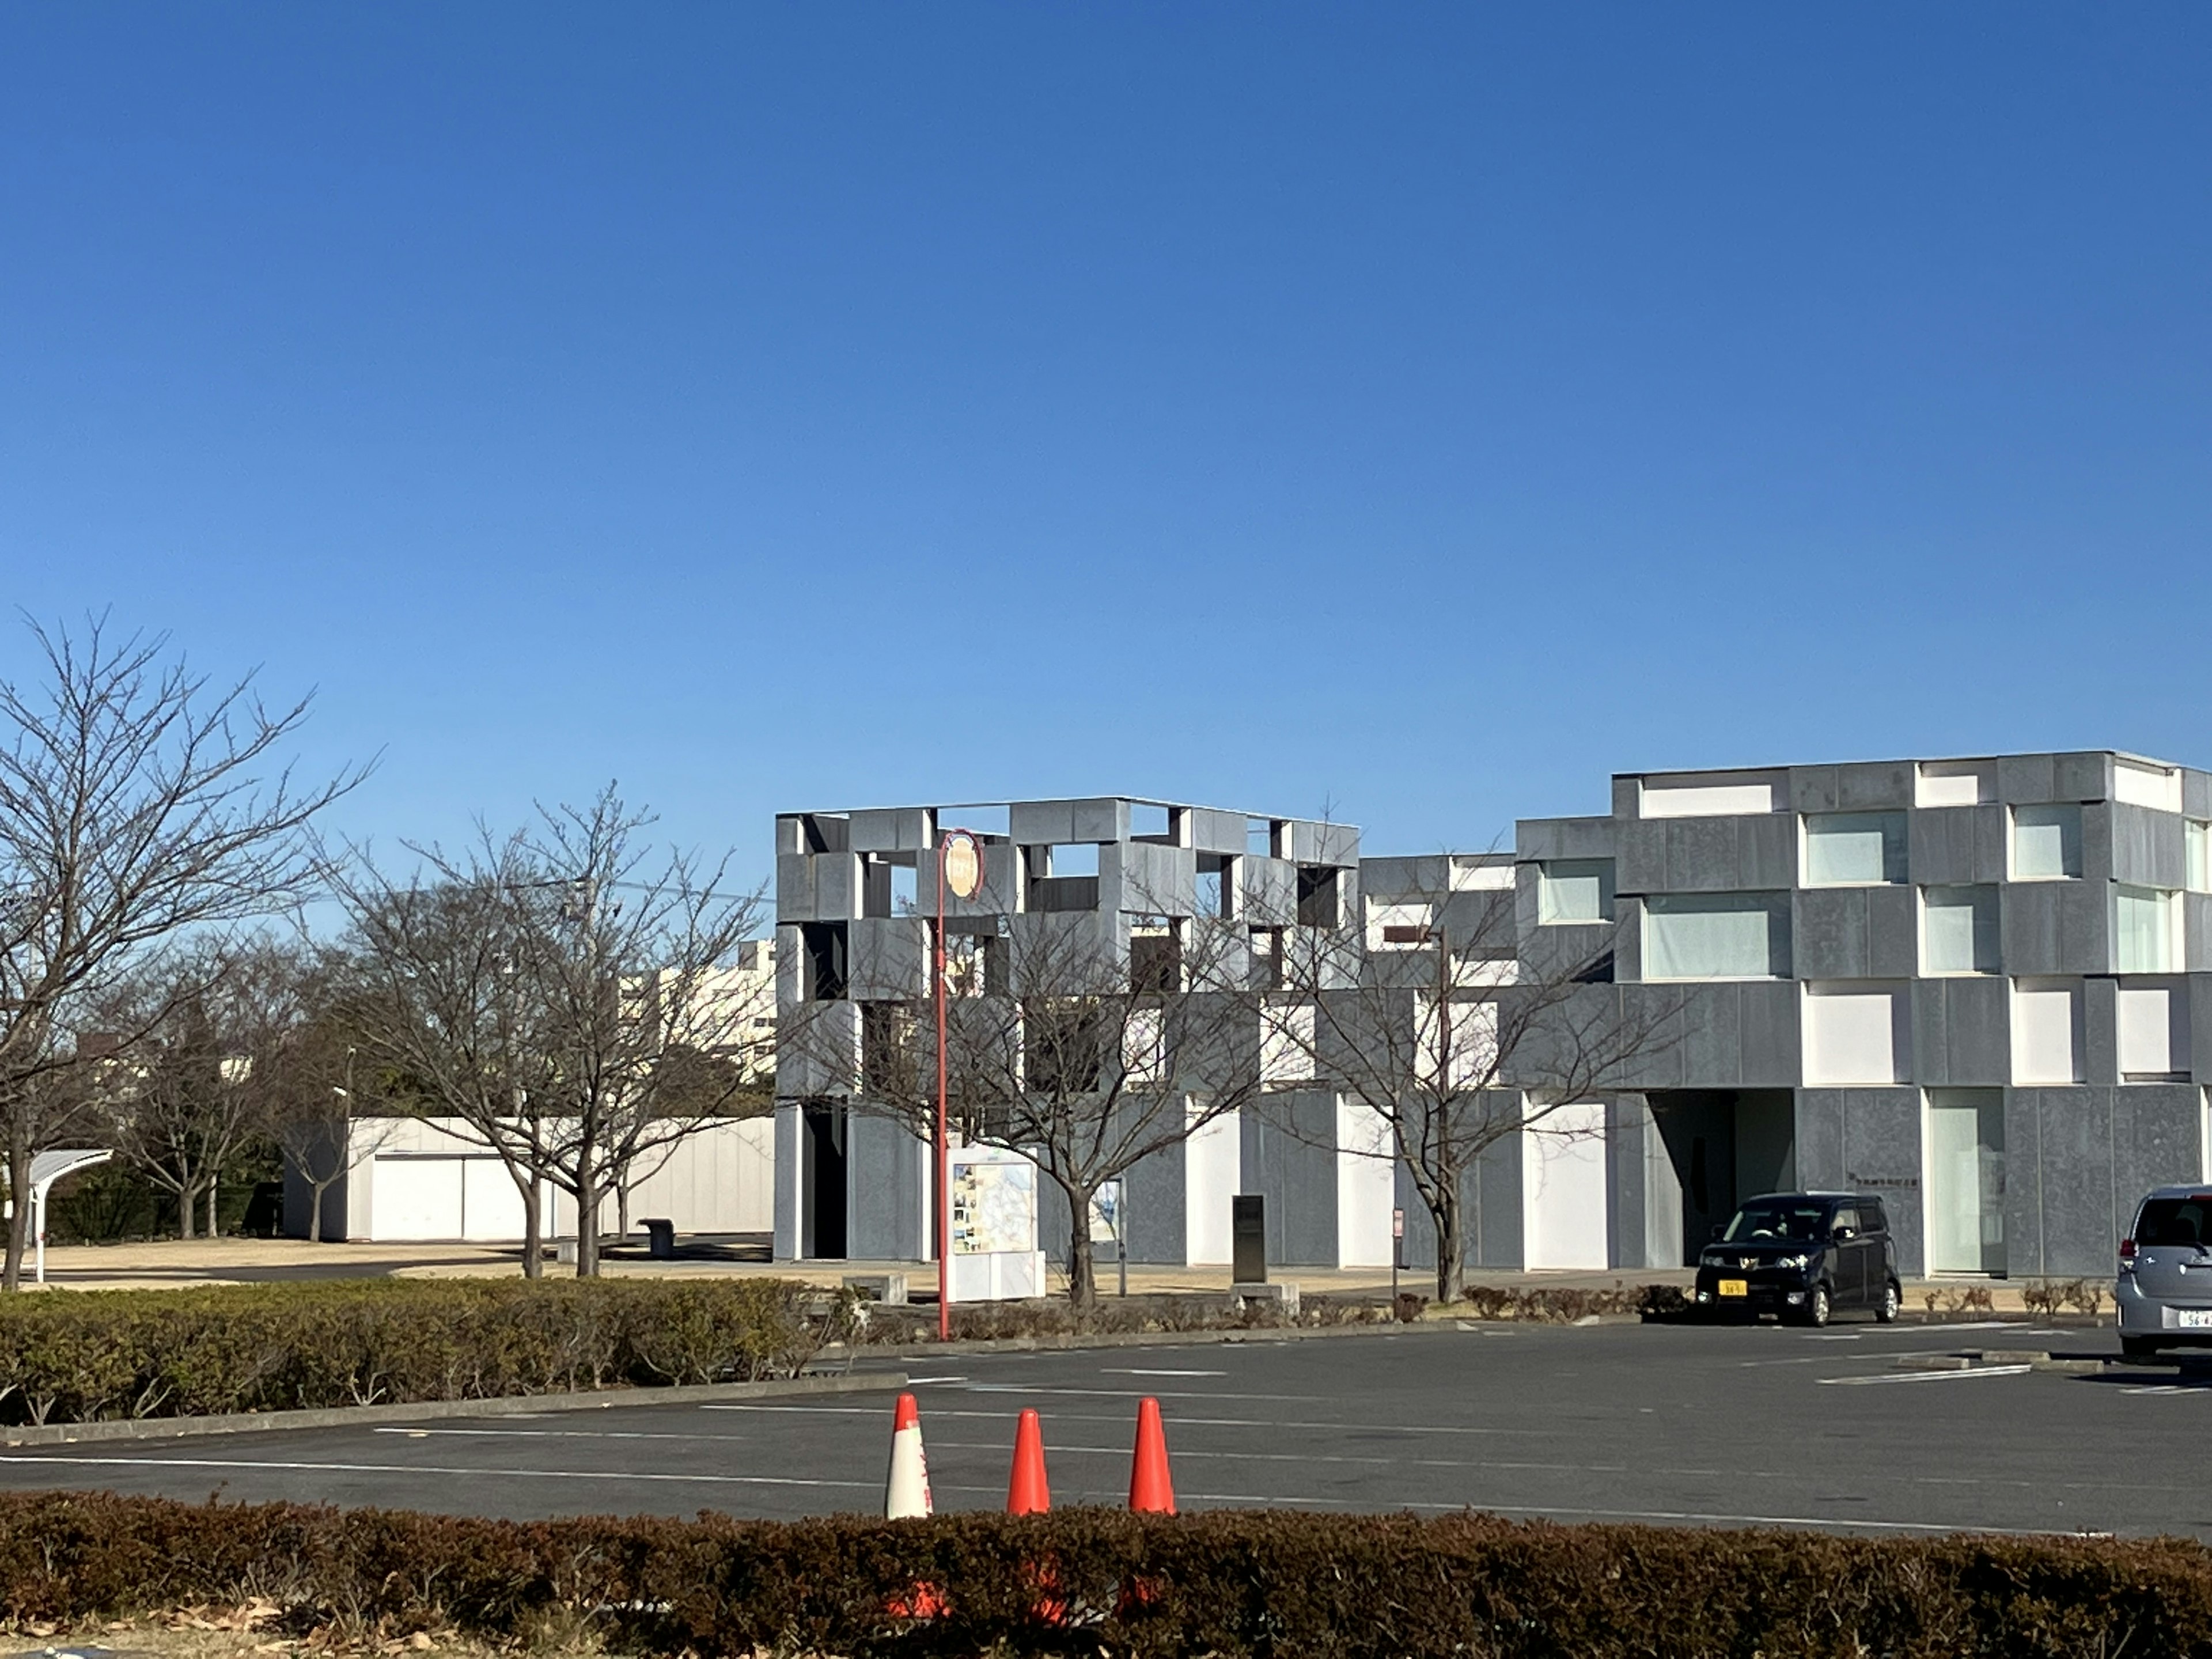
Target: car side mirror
column 1717, row 1229
column 1842, row 1233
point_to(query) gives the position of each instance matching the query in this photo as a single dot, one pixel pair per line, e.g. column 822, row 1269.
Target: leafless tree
column 139, row 804
column 196, row 1037
column 1452, row 1029
column 565, row 993
column 1086, row 1054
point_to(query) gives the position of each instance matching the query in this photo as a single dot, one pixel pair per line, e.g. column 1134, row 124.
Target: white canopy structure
column 47, row 1168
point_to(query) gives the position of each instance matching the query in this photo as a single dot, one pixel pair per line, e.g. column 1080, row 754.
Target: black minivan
column 1802, row 1256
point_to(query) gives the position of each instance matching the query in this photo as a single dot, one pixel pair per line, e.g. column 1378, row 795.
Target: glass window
column 1577, row 891
column 1851, row 849
column 1784, row 1219
column 2199, row 840
column 2143, row 930
column 1966, row 1181
column 2175, row 1221
column 1716, row 936
column 1958, row 931
column 2046, row 842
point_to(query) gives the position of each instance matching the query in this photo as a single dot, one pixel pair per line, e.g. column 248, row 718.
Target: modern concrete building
column 855, row 900
column 1969, row 985
column 1979, row 986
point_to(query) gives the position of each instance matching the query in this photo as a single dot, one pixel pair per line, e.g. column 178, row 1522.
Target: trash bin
column 661, row 1240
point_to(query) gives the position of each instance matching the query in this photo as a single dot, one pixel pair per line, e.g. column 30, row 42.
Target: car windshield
column 1785, row 1220
column 2176, row 1220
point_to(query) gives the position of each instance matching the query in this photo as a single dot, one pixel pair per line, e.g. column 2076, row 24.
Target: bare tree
column 565, row 993
column 437, row 998
column 645, row 1026
column 1452, row 1029
column 178, row 1094
column 138, row 804
column 1086, row 1055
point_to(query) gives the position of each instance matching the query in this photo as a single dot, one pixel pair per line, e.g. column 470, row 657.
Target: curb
column 514, row 1405
column 1064, row 1341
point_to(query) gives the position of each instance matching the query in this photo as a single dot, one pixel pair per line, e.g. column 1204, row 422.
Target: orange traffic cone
column 906, row 1489
column 1027, row 1493
column 1151, row 1490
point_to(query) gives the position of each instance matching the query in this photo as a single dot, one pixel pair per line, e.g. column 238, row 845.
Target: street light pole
column 943, row 1168
column 960, row 866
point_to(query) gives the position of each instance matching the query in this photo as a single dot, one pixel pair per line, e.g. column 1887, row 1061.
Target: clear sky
column 1416, row 411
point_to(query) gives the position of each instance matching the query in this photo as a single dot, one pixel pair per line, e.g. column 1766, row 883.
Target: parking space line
column 1176, row 1420
column 1934, row 1376
column 428, row 1469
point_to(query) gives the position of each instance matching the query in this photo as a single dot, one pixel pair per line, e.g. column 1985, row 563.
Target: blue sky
column 1418, row 412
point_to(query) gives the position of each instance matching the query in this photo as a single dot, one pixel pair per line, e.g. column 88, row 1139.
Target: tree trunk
column 1451, row 1250
column 214, row 1229
column 19, row 1192
column 1082, row 1270
column 587, row 1219
column 533, row 1224
column 187, row 1192
column 315, row 1213
column 622, row 1209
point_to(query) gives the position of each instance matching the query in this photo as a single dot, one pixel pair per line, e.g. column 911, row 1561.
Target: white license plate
column 2193, row 1319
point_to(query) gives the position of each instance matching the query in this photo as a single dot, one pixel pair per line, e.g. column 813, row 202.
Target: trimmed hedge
column 1100, row 1582
column 81, row 1356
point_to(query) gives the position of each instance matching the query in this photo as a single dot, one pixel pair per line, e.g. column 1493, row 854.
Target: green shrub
column 1099, row 1582
column 80, row 1357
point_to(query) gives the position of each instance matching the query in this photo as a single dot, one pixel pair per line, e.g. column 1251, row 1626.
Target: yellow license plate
column 1736, row 1287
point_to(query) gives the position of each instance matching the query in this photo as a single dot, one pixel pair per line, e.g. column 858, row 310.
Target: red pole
column 944, row 1170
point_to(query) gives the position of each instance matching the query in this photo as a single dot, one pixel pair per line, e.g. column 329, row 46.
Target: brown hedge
column 1095, row 1582
column 81, row 1356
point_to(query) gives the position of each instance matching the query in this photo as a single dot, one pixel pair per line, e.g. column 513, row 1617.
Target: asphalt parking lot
column 1658, row 1424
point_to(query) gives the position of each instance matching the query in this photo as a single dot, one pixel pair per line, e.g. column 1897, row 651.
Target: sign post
column 1397, row 1251
column 959, row 866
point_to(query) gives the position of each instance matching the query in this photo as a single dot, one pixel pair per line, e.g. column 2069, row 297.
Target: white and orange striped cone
column 906, row 1490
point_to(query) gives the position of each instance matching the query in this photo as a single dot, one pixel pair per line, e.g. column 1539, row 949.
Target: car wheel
column 2138, row 1347
column 1892, row 1300
column 1817, row 1306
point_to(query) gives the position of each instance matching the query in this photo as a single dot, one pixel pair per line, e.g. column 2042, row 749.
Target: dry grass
column 259, row 1631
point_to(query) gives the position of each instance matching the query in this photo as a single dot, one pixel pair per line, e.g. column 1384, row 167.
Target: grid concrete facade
column 1981, row 987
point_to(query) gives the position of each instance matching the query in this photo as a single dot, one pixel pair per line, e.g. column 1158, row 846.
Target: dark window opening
column 1405, row 933
column 1064, row 1048
column 822, row 1152
column 1267, row 958
column 1216, row 885
column 890, row 1057
column 823, row 833
column 1155, row 958
column 823, row 944
column 1317, row 897
column 1599, row 971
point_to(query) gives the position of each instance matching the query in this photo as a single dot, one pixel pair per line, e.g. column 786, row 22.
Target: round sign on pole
column 964, row 864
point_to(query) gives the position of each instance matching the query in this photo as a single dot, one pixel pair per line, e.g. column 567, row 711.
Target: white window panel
column 1955, row 783
column 2046, row 1032
column 1966, row 1181
column 1716, row 936
column 1467, row 876
column 1858, row 1032
column 2146, row 930
column 2158, row 787
column 2046, row 842
column 1854, row 849
column 2153, row 1022
column 2198, row 840
column 1286, row 1044
column 1705, row 798
column 1958, row 930
column 1574, row 891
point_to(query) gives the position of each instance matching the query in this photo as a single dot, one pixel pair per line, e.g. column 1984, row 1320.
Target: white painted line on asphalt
column 479, row 1473
column 1132, row 1370
column 2165, row 1388
column 926, row 1382
column 1131, row 1393
column 1934, row 1376
column 1177, row 1418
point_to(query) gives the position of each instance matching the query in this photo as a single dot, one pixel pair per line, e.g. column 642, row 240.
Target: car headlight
column 1793, row 1261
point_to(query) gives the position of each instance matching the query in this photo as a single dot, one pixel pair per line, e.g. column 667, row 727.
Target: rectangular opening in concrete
column 822, row 1179
column 1216, row 891
column 1723, row 1145
column 1151, row 822
column 825, row 945
column 1155, row 957
column 1319, row 904
column 824, row 832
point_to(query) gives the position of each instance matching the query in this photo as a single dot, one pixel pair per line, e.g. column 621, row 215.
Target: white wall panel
column 1857, row 1033
column 2046, row 1033
column 1366, row 1185
column 1706, row 801
column 417, row 1199
column 1563, row 1195
column 1212, row 1175
column 2153, row 1022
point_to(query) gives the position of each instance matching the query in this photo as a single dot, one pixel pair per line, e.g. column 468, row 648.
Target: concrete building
column 1979, row 986
column 1969, row 985
column 855, row 895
